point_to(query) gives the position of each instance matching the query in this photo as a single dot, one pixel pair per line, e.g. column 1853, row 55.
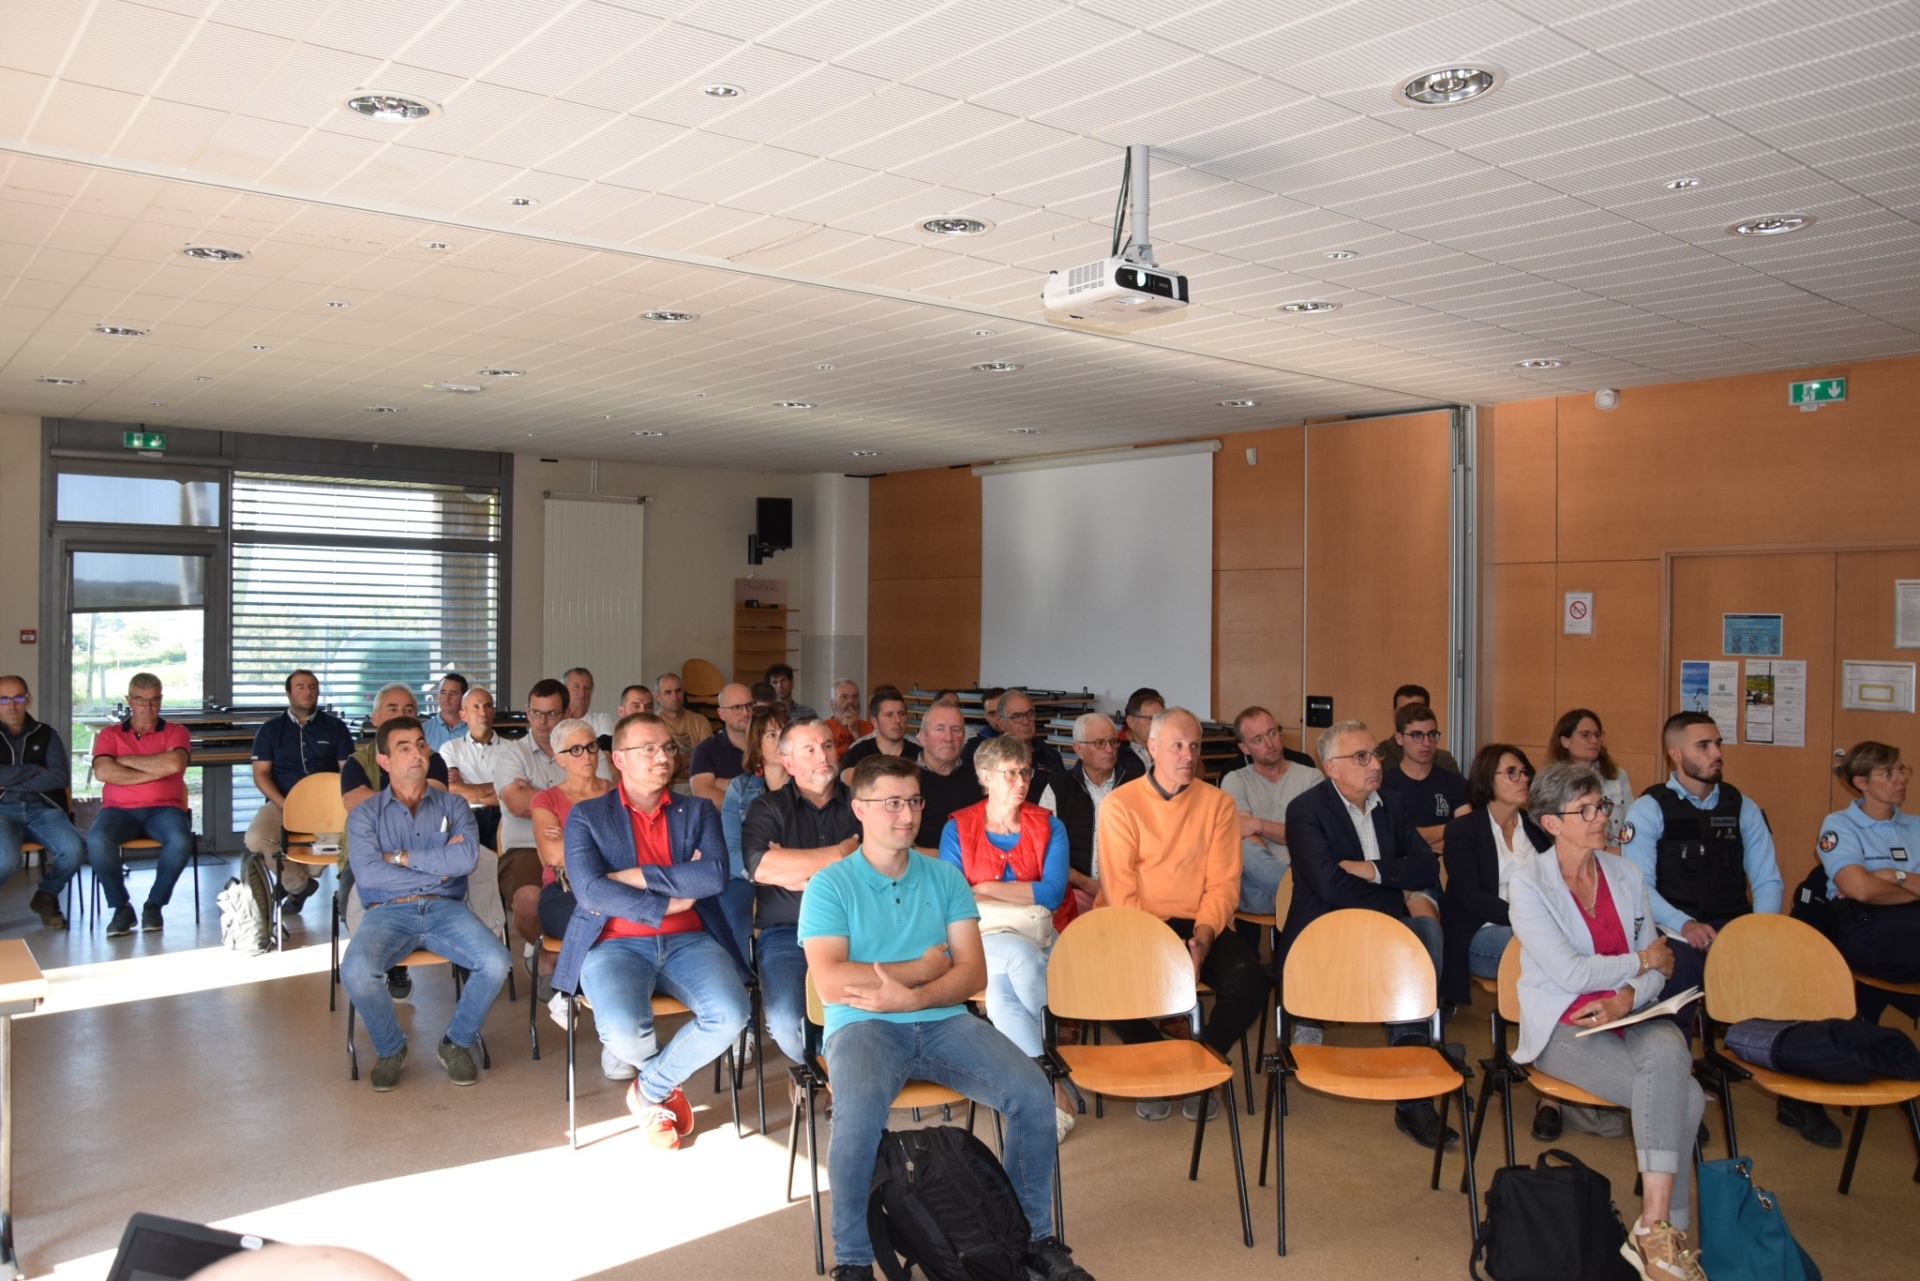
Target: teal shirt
column 885, row 921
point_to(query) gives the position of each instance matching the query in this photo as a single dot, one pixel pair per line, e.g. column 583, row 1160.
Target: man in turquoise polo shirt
column 893, row 944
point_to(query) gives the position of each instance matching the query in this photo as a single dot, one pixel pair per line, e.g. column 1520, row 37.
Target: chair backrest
column 816, row 1009
column 1356, row 966
column 1769, row 966
column 1119, row 963
column 1509, row 997
column 1283, row 898
column 702, row 679
column 314, row 805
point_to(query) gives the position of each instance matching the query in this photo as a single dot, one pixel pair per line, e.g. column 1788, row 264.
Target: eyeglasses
column 1101, row 743
column 1590, row 811
column 1421, row 735
column 1514, row 773
column 132, row 701
column 533, row 715
column 895, row 804
column 1016, row 772
column 1362, row 759
column 1888, row 772
column 1017, row 716
column 14, row 700
column 1271, row 736
column 649, row 751
column 734, row 707
column 581, row 749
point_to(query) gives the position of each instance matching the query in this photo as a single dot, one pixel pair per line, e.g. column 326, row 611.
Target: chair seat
column 1155, row 1070
column 1490, row 986
column 666, row 1006
column 307, row 857
column 140, row 843
column 420, row 956
column 1268, row 919
column 1830, row 1093
column 1559, row 1091
column 548, row 944
column 1887, row 985
column 1379, row 1072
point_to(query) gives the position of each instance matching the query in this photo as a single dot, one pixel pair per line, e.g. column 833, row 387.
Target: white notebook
column 1659, row 1009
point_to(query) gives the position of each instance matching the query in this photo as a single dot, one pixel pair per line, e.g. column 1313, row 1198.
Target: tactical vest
column 1700, row 861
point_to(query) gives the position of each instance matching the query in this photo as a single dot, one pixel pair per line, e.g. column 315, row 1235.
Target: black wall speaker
column 773, row 523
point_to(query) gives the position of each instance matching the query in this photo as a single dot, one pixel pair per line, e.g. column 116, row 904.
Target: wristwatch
column 1899, row 877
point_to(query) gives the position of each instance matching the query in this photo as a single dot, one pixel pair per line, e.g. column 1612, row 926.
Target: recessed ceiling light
column 1683, row 184
column 385, row 409
column 336, row 305
column 793, row 404
column 866, row 453
column 1544, row 362
column 701, row 395
column 212, row 253
column 119, row 331
column 500, row 373
column 1771, row 225
column 985, row 333
column 823, row 368
column 438, row 244
column 1238, row 404
column 955, row 226
column 651, row 435
column 1449, row 86
column 465, row 389
column 389, row 108
column 1341, row 255
column 521, row 202
column 258, row 346
column 994, row 367
column 51, row 381
column 723, row 91
column 203, row 378
column 1309, row 307
column 670, row 317
column 1023, row 431
column 156, row 404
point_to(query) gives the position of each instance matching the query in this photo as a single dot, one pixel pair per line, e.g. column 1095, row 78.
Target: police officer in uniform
column 1707, row 855
column 1870, row 859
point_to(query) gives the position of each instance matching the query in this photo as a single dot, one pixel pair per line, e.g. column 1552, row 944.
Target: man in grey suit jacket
column 647, row 867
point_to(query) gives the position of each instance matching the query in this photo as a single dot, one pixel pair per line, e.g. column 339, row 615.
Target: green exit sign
column 155, row 440
column 1821, row 391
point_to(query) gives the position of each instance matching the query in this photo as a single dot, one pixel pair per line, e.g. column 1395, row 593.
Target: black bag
column 1552, row 1223
column 941, row 1201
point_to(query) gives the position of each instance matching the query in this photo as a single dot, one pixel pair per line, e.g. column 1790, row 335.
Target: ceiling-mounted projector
column 1127, row 284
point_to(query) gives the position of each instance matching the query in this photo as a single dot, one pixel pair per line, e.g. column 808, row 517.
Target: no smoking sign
column 1576, row 615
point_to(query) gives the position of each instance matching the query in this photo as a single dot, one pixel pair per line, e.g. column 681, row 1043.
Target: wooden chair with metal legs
column 30, row 847
column 1120, row 964
column 809, row 1078
column 146, row 844
column 1770, row 966
column 415, row 959
column 313, row 807
column 1890, row 985
column 1501, row 1071
column 703, row 683
column 1270, row 922
column 1356, row 966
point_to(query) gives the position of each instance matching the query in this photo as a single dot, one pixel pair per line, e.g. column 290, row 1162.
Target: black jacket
column 1320, row 836
column 1472, row 896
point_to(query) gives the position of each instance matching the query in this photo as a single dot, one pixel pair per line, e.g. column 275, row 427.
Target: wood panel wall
column 923, row 579
column 1259, row 574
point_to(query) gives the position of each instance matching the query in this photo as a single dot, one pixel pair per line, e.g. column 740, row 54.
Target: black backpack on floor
column 941, row 1202
column 1552, row 1222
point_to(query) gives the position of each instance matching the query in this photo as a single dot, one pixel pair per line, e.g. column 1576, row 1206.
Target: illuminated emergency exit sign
column 145, row 440
column 1821, row 391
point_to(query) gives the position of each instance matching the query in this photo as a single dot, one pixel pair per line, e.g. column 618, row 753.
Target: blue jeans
column 783, row 989
column 1489, row 944
column 620, row 977
column 869, row 1060
column 443, row 926
column 1261, row 872
column 49, row 825
column 171, row 827
column 736, row 904
column 1017, row 988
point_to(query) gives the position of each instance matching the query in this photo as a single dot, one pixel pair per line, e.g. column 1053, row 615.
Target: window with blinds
column 366, row 583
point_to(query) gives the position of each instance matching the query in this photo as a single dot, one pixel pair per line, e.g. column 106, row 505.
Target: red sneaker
column 675, row 1107
column 681, row 1109
column 657, row 1121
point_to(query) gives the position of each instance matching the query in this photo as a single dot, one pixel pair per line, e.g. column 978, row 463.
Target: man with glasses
column 888, row 708
column 720, row 758
column 647, row 869
column 526, row 768
column 689, row 729
column 1014, row 714
column 1261, row 790
column 1075, row 797
column 1390, row 750
column 142, row 766
column 447, row 724
column 789, row 836
column 893, row 942
column 300, row 741
column 1170, row 845
column 1355, row 846
column 1435, row 795
column 35, row 774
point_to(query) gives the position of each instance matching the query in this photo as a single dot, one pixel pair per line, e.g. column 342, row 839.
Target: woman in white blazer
column 1590, row 954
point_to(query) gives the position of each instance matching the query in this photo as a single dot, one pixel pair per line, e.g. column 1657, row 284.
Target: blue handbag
column 1743, row 1231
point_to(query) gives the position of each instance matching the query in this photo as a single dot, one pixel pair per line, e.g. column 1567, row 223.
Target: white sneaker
column 1063, row 1122
column 557, row 1007
column 1308, row 1034
column 748, row 1048
column 1190, row 1107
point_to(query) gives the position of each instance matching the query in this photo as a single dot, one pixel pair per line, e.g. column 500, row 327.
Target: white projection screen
column 1099, row 575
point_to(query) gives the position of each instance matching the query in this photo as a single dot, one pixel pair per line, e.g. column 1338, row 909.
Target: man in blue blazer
column 647, row 867
column 1354, row 846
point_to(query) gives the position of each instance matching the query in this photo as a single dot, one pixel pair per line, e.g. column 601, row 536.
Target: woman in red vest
column 1015, row 857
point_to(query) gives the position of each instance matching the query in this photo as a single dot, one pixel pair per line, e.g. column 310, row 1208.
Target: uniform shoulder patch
column 1829, row 840
column 1626, row 833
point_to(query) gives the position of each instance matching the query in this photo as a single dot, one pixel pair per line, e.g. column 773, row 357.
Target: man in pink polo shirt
column 142, row 765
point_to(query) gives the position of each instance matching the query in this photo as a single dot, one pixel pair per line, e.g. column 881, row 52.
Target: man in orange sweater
column 1170, row 845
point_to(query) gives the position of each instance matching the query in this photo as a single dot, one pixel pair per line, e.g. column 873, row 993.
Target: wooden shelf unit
column 762, row 636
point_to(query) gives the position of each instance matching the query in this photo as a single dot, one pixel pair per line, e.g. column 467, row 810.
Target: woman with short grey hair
column 1589, row 955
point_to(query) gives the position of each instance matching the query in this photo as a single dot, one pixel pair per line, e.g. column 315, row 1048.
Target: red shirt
column 117, row 741
column 555, row 802
column 651, row 848
column 1609, row 938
